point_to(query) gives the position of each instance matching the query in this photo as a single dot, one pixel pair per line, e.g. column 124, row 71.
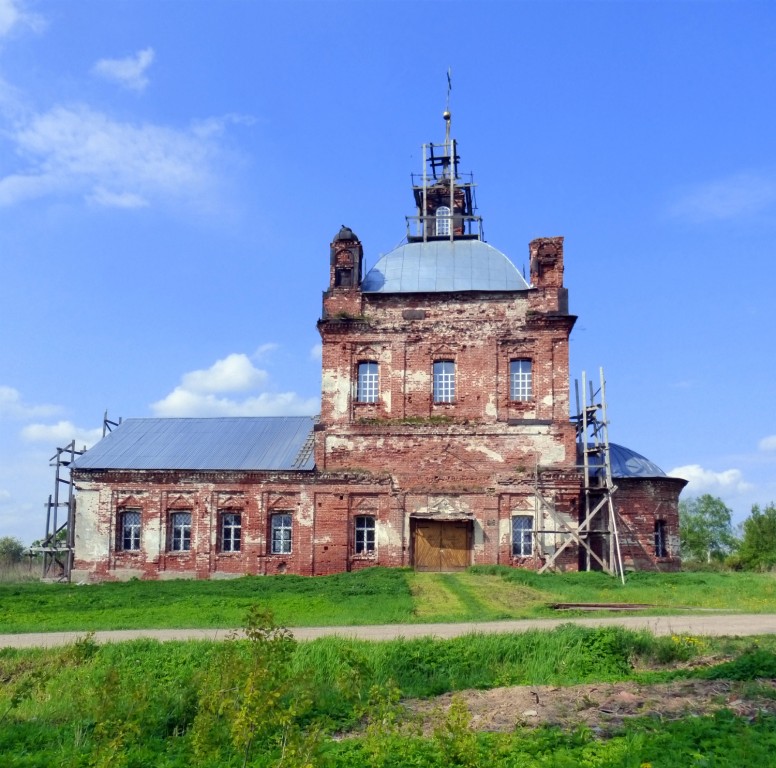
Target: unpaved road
column 705, row 624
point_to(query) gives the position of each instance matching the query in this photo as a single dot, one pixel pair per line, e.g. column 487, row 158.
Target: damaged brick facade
column 444, row 438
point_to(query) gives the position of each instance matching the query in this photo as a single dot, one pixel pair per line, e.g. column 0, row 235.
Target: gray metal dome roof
column 441, row 265
column 628, row 463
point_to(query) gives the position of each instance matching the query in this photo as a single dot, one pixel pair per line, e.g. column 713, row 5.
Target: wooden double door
column 441, row 545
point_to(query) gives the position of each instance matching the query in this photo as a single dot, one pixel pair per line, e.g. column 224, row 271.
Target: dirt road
column 706, row 624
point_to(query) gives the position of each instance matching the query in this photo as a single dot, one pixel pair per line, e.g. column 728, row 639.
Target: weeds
column 268, row 701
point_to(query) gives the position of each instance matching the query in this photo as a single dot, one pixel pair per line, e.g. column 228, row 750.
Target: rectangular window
column 231, row 530
column 444, row 381
column 129, row 533
column 365, row 534
column 280, row 534
column 180, row 531
column 367, row 382
column 522, row 536
column 661, row 543
column 520, row 380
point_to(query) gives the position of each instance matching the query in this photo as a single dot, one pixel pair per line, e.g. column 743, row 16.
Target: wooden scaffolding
column 595, row 534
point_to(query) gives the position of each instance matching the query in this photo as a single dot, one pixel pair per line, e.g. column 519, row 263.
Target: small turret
column 347, row 255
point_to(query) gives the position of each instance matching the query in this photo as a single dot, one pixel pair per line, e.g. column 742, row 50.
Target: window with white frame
column 365, row 534
column 280, row 534
column 231, row 531
column 180, row 531
column 129, row 530
column 443, row 221
column 368, row 382
column 520, row 379
column 444, row 381
column 522, row 535
column 661, row 543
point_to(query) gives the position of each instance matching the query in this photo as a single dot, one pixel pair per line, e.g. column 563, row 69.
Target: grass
column 137, row 703
column 372, row 596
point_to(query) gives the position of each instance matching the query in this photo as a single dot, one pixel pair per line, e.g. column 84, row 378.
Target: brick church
column 444, row 437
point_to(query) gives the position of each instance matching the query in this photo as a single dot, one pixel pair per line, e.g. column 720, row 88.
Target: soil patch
column 602, row 707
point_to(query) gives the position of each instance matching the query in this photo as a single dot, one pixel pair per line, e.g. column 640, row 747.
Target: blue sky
column 172, row 172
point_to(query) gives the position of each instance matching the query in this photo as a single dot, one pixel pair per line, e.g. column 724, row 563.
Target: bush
column 11, row 550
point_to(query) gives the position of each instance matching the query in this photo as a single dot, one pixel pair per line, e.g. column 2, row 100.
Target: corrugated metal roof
column 442, row 265
column 628, row 463
column 239, row 443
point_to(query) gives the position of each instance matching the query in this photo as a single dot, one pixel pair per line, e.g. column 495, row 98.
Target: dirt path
column 602, row 707
column 705, row 624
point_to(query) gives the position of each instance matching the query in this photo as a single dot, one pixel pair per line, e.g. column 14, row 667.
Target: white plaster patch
column 151, row 537
column 339, row 444
column 90, row 543
column 490, row 407
column 486, row 452
column 338, row 387
column 549, row 449
column 505, row 531
column 388, row 536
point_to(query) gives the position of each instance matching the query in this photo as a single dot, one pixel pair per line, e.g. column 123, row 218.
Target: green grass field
column 273, row 702
column 374, row 596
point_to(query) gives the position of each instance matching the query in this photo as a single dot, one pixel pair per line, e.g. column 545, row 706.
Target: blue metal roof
column 441, row 265
column 627, row 463
column 239, row 443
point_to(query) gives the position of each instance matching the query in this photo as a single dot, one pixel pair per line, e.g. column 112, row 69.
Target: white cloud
column 181, row 402
column 13, row 15
column 12, row 406
column 108, row 199
column 707, row 481
column 235, row 373
column 316, row 352
column 78, row 150
column 767, row 443
column 743, row 194
column 129, row 72
column 60, row 434
column 5, row 496
column 264, row 350
column 201, row 393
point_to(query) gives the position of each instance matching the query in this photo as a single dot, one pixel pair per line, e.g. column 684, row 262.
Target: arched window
column 443, row 221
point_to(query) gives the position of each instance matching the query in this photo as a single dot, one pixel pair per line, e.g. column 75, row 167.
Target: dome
column 627, row 463
column 436, row 266
column 345, row 233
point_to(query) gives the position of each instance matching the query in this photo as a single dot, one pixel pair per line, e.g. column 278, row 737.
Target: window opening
column 130, row 530
column 231, row 531
column 522, row 536
column 444, row 381
column 180, row 531
column 443, row 221
column 520, row 380
column 661, row 543
column 365, row 534
column 368, row 382
column 280, row 534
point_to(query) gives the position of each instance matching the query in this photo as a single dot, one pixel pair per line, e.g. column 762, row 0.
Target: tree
column 758, row 545
column 11, row 550
column 705, row 528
